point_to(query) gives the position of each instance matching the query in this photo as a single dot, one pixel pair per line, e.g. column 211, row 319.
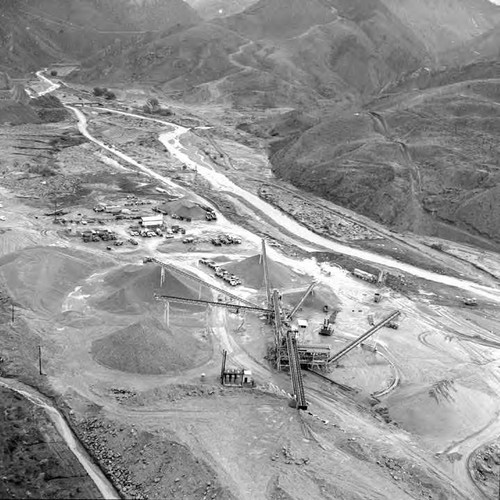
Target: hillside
column 35, row 33
column 444, row 25
column 209, row 9
column 483, row 47
column 276, row 53
column 424, row 161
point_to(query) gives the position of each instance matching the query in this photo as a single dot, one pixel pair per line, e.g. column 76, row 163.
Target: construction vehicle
column 187, row 240
column 210, row 214
column 371, row 278
column 468, row 301
column 327, row 328
column 377, row 297
column 371, row 320
column 392, row 324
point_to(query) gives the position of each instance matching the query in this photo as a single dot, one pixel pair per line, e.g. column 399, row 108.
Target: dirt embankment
column 149, row 464
column 36, row 462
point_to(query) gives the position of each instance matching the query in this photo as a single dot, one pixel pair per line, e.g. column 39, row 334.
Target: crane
column 363, row 337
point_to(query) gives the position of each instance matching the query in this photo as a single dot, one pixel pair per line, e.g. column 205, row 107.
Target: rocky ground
column 36, row 462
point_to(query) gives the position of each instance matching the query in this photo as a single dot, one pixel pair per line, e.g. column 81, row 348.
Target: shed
column 152, row 221
column 302, row 323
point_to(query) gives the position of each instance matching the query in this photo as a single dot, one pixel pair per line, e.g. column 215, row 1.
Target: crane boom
column 302, row 300
column 171, row 298
column 203, row 282
column 363, row 337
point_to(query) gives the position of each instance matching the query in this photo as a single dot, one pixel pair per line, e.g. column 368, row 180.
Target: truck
column 371, row 278
column 469, row 301
column 377, row 297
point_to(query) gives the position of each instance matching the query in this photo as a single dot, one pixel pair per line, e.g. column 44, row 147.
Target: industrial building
column 152, row 221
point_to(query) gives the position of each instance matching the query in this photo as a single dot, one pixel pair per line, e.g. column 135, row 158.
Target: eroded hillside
column 425, row 161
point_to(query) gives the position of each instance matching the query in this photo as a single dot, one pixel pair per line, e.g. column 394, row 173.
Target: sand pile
column 150, row 348
column 184, row 207
column 319, row 297
column 40, row 278
column 129, row 289
column 251, row 272
column 445, row 411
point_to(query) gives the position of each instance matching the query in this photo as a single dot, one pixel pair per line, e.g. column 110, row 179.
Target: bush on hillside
column 53, row 73
column 43, row 170
column 109, row 95
column 99, row 91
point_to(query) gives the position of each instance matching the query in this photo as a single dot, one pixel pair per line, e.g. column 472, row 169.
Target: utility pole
column 223, row 367
column 12, row 312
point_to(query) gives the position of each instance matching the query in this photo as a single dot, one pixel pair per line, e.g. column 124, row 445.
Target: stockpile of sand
column 317, row 299
column 40, row 278
column 185, row 208
column 150, row 348
column 443, row 412
column 129, row 289
column 251, row 272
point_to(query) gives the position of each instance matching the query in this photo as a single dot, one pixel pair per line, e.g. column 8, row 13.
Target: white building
column 152, row 221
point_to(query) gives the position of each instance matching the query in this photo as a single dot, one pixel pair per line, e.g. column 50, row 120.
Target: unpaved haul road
column 105, row 487
column 52, row 86
column 171, row 140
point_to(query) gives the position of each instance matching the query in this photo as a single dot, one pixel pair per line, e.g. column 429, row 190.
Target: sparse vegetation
column 99, row 91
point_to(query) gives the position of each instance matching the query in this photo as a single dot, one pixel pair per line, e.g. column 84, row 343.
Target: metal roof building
column 152, row 221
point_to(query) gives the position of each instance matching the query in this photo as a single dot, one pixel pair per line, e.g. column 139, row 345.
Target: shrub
column 99, row 91
column 109, row 95
column 53, row 73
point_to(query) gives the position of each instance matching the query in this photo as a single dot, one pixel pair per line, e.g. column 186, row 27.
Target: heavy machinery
column 327, row 328
column 469, row 301
column 289, row 354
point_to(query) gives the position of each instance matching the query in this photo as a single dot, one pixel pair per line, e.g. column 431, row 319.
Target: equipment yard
column 122, row 269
